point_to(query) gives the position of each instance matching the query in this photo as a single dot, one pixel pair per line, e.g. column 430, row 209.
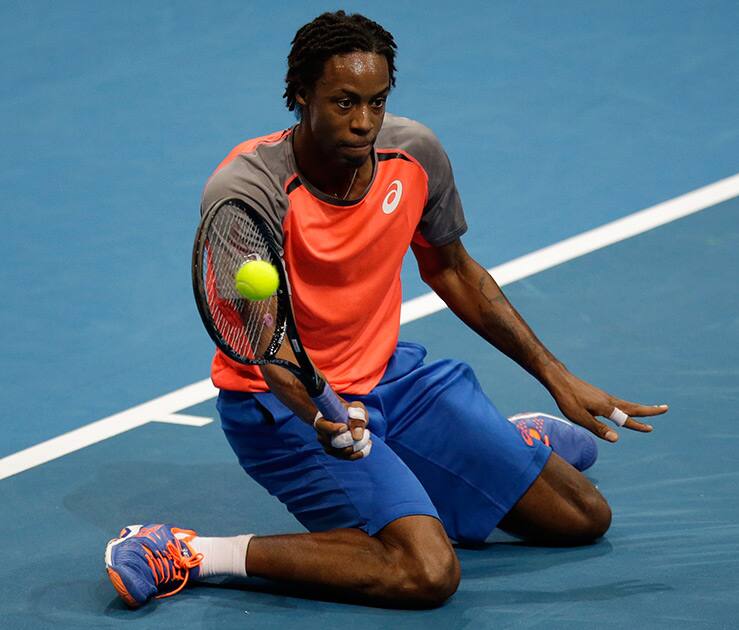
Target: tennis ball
column 257, row 280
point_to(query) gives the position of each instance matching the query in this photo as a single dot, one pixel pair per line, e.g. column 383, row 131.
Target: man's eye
column 344, row 103
column 379, row 103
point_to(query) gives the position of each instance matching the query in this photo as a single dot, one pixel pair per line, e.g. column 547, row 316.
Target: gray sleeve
column 245, row 178
column 443, row 217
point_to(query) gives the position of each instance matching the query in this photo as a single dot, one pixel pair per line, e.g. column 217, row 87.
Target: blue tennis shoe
column 571, row 442
column 151, row 561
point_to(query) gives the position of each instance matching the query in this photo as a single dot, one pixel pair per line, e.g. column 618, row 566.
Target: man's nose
column 361, row 122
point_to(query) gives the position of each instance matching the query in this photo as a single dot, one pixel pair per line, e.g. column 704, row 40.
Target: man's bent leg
column 471, row 460
column 410, row 562
column 560, row 508
column 375, row 534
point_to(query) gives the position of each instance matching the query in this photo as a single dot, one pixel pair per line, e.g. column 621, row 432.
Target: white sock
column 222, row 556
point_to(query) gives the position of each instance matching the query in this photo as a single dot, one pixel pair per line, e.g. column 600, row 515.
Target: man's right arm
column 292, row 393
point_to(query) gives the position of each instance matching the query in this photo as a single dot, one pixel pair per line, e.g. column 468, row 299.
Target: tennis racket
column 250, row 331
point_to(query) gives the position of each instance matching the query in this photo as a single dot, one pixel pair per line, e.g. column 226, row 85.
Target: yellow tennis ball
column 257, row 280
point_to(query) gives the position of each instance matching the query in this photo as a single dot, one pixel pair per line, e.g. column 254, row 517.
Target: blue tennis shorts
column 440, row 448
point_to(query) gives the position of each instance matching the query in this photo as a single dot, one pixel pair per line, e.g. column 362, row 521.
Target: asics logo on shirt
column 392, row 198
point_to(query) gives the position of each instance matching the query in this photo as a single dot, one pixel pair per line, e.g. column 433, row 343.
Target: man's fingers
column 357, row 420
column 342, row 440
column 623, row 412
column 596, row 427
column 621, row 419
column 358, row 445
column 329, row 428
column 635, row 409
column 635, row 425
column 363, row 452
column 345, row 442
column 353, row 452
column 339, row 453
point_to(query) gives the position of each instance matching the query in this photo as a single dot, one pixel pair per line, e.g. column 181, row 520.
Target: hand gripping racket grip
column 330, row 406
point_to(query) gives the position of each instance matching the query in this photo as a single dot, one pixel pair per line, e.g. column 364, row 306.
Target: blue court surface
column 558, row 118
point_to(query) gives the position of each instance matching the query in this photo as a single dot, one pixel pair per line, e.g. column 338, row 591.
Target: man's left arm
column 474, row 296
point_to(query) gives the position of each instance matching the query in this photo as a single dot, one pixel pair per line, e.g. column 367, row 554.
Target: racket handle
column 330, row 406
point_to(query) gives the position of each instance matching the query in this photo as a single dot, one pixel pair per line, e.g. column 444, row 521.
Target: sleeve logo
column 392, row 198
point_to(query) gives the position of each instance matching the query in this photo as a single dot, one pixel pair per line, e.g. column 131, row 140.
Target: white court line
column 166, row 407
column 162, row 409
column 181, row 418
column 589, row 241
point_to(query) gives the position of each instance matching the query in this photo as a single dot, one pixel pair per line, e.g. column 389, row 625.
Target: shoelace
column 171, row 565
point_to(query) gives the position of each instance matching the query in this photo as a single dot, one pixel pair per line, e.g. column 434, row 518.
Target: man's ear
column 301, row 97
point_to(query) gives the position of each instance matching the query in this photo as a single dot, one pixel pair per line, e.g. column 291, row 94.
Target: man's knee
column 595, row 516
column 431, row 577
column 424, row 570
column 589, row 518
column 560, row 508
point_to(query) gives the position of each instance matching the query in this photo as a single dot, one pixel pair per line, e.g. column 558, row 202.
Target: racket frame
column 284, row 320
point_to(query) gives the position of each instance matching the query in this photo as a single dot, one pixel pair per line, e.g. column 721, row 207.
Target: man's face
column 345, row 108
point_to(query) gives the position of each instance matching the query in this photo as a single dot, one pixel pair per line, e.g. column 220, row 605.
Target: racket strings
column 247, row 326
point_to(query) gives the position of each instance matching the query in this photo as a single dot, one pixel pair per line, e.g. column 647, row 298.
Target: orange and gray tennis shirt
column 343, row 258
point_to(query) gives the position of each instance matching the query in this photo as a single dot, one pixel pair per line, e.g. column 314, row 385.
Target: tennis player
column 427, row 459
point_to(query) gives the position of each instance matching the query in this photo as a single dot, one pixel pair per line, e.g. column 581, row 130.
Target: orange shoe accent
column 160, row 567
column 121, row 589
column 145, row 531
column 526, row 437
column 529, row 434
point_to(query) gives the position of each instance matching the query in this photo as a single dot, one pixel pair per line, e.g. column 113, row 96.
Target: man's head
column 340, row 71
column 328, row 35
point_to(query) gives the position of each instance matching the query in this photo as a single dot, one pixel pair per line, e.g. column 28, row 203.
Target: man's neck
column 326, row 174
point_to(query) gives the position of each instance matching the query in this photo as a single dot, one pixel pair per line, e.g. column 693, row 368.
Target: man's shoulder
column 410, row 136
column 258, row 145
column 417, row 141
column 254, row 170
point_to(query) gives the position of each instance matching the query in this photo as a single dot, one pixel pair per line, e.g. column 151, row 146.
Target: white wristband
column 618, row 417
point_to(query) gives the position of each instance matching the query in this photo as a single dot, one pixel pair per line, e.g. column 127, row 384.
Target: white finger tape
column 342, row 440
column 357, row 413
column 366, row 450
column 360, row 444
column 618, row 416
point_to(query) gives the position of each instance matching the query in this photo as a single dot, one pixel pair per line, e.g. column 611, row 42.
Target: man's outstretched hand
column 581, row 402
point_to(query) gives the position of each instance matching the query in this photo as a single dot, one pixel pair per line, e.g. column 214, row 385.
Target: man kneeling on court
column 347, row 190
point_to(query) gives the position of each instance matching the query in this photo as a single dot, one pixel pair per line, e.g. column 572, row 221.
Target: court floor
column 581, row 115
column 668, row 560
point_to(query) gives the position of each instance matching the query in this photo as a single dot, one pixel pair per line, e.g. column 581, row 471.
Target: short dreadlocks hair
column 328, row 35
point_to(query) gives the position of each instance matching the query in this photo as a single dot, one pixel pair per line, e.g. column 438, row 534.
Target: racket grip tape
column 330, row 406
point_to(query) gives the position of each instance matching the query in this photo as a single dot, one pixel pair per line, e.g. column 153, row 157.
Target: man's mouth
column 357, row 147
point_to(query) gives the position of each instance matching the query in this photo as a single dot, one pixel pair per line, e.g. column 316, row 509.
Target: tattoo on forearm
column 503, row 326
column 486, row 291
